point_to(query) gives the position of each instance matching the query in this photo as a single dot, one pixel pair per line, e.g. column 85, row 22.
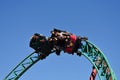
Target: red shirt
column 73, row 39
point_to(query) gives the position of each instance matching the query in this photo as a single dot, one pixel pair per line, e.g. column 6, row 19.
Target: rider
column 59, row 38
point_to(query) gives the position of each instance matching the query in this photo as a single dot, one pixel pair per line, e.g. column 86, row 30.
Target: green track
column 89, row 50
column 99, row 61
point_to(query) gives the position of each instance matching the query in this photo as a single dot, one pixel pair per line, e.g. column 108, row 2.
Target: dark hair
column 58, row 30
column 36, row 34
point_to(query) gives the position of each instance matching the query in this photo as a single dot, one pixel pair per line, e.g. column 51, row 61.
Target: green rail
column 22, row 67
column 89, row 50
column 98, row 60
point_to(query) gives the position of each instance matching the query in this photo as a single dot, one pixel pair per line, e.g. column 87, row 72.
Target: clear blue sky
column 99, row 20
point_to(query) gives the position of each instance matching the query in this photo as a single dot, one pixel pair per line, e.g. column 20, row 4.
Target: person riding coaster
column 59, row 41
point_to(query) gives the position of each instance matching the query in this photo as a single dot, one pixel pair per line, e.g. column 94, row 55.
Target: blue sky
column 99, row 20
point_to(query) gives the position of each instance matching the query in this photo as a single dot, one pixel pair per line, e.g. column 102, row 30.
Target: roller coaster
column 94, row 55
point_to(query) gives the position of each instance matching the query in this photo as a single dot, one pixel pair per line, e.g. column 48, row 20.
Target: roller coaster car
column 66, row 41
column 45, row 46
column 71, row 45
column 41, row 45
